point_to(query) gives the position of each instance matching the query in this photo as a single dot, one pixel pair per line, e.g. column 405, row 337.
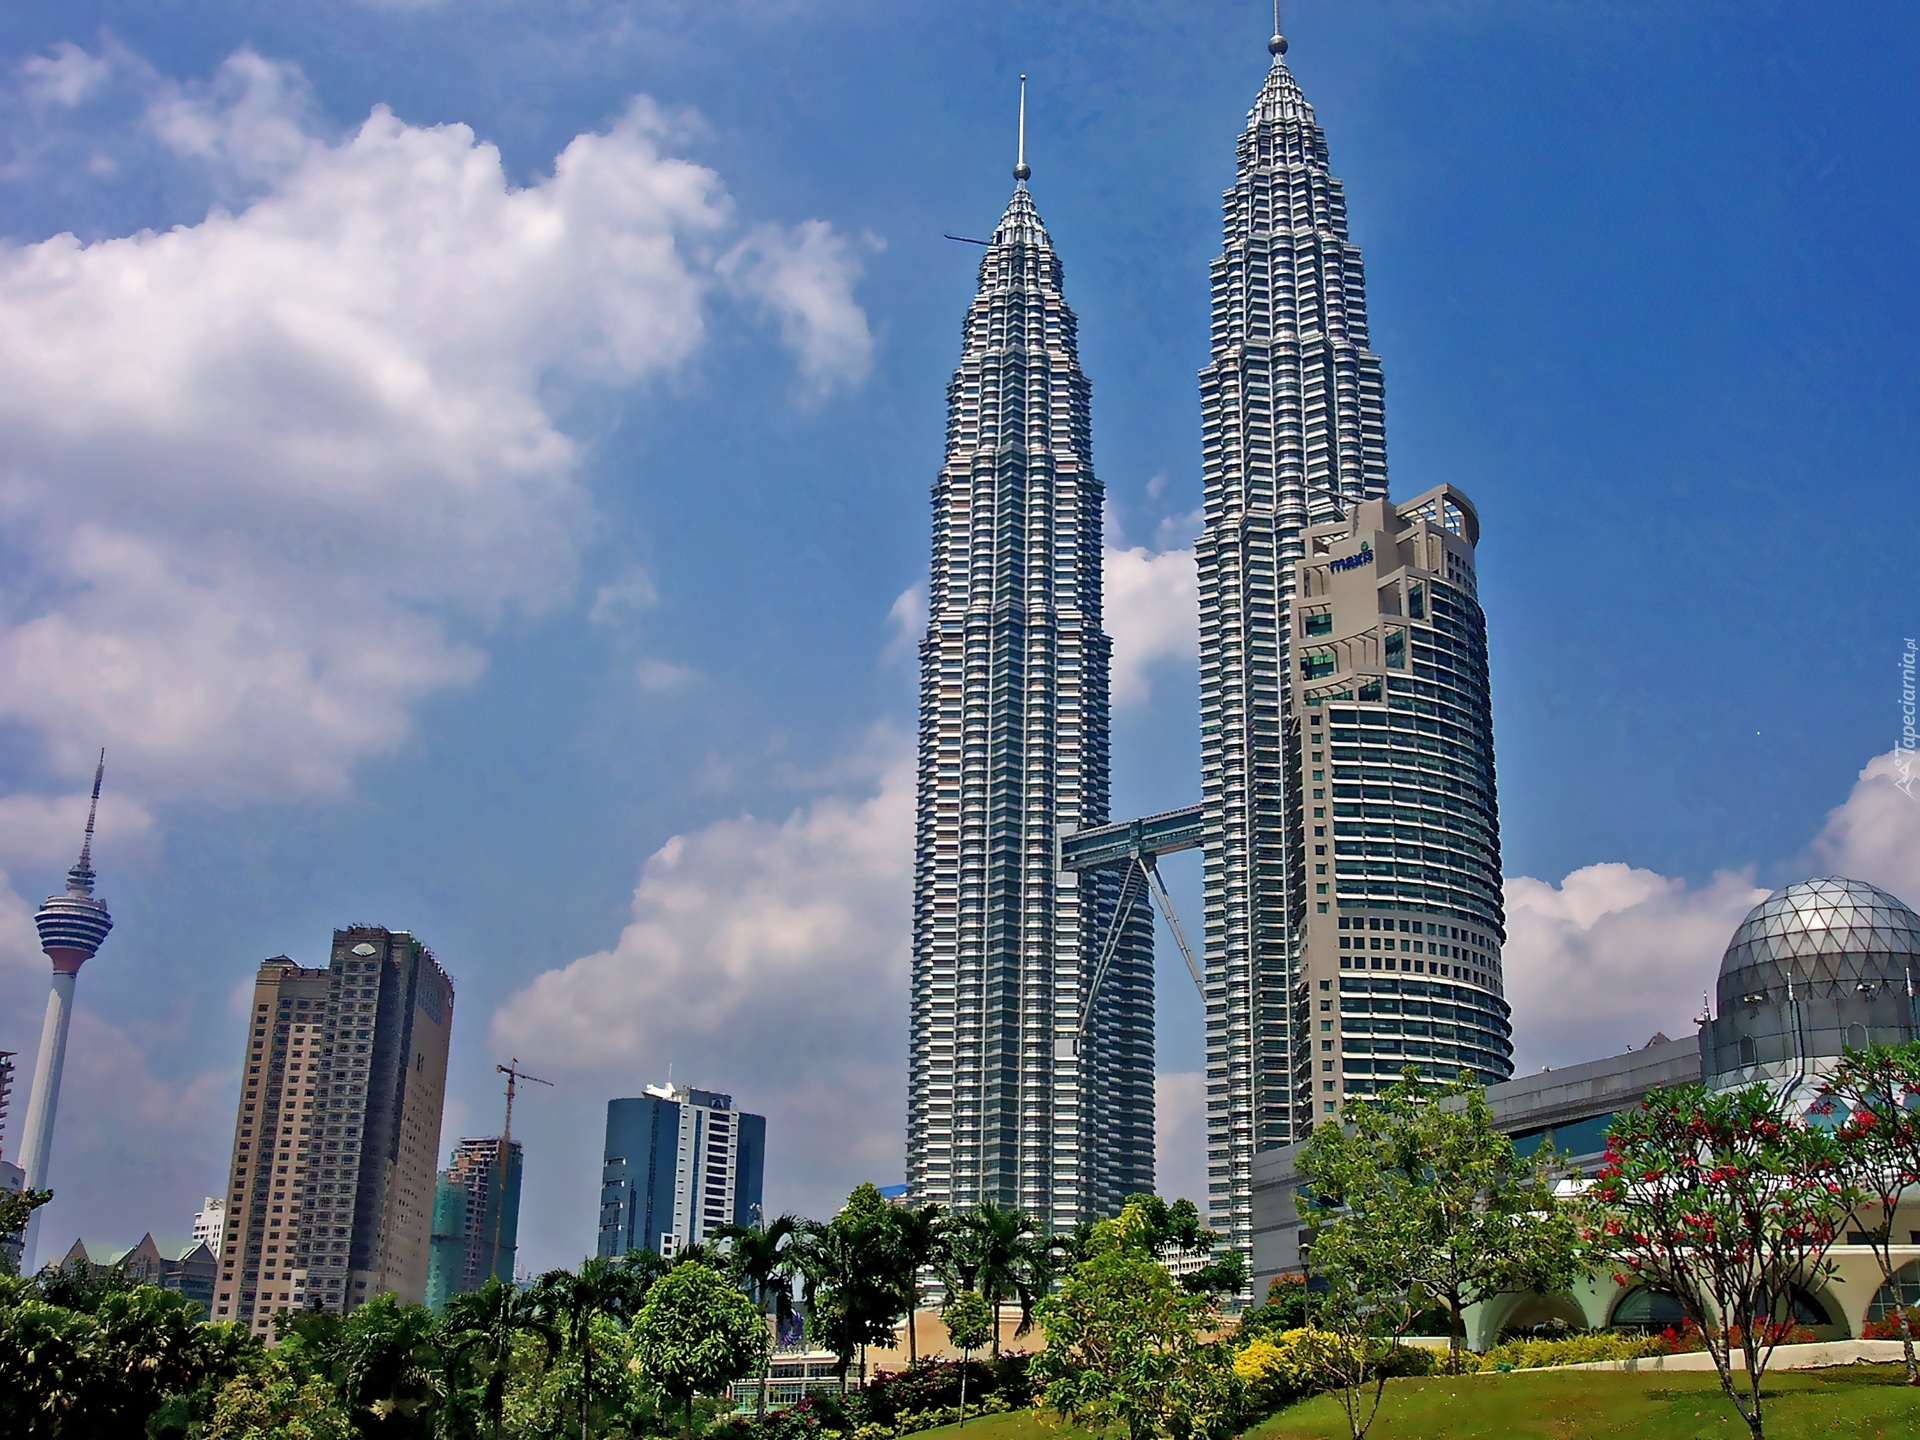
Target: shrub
column 934, row 1385
column 1276, row 1370
column 1887, row 1327
column 1573, row 1350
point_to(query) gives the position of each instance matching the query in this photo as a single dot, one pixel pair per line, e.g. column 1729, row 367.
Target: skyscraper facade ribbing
column 1293, row 428
column 72, row 928
column 1030, row 1086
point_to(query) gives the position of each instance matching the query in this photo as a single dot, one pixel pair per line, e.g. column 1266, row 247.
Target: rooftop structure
column 72, row 928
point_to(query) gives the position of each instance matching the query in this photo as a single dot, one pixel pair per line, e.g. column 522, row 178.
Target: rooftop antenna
column 84, row 869
column 1277, row 44
column 1021, row 170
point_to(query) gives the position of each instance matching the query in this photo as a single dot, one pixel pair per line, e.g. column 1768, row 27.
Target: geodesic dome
column 1818, row 966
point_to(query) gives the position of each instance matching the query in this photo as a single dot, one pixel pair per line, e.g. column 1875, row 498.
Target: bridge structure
column 1135, row 847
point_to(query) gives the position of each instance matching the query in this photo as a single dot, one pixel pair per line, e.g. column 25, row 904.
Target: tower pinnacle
column 1021, row 170
column 72, row 926
column 1276, row 43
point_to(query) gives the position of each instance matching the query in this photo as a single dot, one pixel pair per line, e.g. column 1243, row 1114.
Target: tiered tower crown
column 74, row 925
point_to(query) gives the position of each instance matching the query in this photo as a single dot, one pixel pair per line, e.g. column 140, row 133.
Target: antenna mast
column 1020, row 167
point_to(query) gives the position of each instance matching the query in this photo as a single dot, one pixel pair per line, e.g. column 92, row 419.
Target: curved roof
column 1825, row 918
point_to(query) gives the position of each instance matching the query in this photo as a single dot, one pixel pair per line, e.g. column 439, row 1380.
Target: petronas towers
column 1032, row 1006
column 1017, row 1095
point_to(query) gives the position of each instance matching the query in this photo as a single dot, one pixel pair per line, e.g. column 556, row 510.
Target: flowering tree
column 1873, row 1096
column 1726, row 1201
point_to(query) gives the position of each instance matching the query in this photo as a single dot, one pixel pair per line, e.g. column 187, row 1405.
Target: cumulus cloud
column 271, row 477
column 765, row 958
column 805, row 277
column 1153, row 615
column 1875, row 835
column 1612, row 954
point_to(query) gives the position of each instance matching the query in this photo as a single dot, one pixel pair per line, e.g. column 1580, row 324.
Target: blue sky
column 523, row 550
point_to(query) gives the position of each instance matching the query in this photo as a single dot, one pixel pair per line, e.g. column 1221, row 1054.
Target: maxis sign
column 1354, row 562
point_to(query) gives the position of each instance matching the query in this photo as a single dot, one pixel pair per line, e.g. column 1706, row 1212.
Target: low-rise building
column 1816, row 967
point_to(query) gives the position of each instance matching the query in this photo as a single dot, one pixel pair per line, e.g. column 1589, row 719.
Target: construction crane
column 514, row 1075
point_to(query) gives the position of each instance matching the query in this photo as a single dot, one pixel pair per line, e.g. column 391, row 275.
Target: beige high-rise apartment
column 330, row 1199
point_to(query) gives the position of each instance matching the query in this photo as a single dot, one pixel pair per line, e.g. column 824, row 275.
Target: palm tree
column 565, row 1304
column 920, row 1240
column 766, row 1260
column 1008, row 1258
column 481, row 1329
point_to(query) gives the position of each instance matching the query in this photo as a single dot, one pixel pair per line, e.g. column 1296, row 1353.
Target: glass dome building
column 1814, row 968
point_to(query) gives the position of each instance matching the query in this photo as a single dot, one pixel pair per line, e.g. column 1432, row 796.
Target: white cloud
column 805, row 276
column 1153, row 615
column 65, row 76
column 272, row 476
column 764, row 958
column 907, row 620
column 1610, row 955
column 663, row 677
column 1875, row 835
column 1180, row 1136
column 44, row 831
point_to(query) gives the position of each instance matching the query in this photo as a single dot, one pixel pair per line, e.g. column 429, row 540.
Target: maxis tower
column 72, row 927
column 1031, row 1046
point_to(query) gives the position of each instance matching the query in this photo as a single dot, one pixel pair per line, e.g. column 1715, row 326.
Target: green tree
column 563, row 1304
column 483, row 1331
column 969, row 1325
column 275, row 1401
column 696, row 1334
column 919, row 1243
column 849, row 1266
column 390, row 1369
column 766, row 1259
column 16, row 1208
column 1124, row 1342
column 1002, row 1254
column 1177, row 1227
column 1726, row 1201
column 1870, row 1098
column 1416, row 1193
column 77, row 1374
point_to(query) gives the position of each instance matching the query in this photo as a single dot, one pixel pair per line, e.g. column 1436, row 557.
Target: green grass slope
column 1858, row 1401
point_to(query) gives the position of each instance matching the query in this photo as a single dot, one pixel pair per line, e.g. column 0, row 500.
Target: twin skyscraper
column 1348, row 821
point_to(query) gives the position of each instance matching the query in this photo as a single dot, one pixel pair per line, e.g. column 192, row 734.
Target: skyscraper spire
column 1021, row 170
column 72, row 928
column 1276, row 43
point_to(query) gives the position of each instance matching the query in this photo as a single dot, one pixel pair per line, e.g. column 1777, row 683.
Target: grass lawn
column 1858, row 1401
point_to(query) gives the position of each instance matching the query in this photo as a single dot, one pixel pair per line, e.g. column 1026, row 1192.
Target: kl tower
column 71, row 929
